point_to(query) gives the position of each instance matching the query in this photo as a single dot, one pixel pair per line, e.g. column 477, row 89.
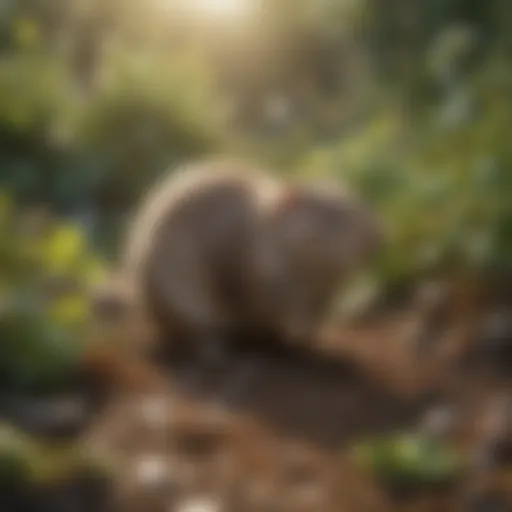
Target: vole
column 221, row 246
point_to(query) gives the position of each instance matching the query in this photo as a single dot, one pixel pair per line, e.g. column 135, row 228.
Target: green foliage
column 46, row 271
column 78, row 148
column 442, row 182
column 409, row 461
column 147, row 117
column 24, row 461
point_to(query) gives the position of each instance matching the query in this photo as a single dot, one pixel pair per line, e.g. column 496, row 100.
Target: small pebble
column 439, row 421
column 199, row 504
column 151, row 470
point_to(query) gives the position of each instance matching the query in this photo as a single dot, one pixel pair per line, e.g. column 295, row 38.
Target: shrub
column 46, row 270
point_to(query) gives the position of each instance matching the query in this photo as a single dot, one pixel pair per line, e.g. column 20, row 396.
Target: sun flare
column 215, row 11
column 221, row 8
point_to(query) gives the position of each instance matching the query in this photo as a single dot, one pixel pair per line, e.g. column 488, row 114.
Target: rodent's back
column 193, row 239
column 199, row 190
column 220, row 241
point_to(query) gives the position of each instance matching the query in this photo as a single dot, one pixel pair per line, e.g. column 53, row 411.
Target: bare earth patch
column 273, row 434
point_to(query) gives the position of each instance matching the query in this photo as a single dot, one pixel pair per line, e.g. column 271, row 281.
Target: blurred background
column 408, row 101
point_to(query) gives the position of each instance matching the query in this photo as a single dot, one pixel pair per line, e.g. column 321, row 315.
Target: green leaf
column 64, row 248
column 409, row 458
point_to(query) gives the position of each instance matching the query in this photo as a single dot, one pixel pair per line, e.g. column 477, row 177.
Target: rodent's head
column 327, row 228
column 320, row 237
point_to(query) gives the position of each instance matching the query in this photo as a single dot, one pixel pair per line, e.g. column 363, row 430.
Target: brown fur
column 221, row 246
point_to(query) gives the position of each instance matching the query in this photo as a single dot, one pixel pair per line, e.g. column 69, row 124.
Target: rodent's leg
column 185, row 286
column 187, row 303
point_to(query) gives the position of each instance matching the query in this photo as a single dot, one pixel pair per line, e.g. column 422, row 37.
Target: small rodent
column 220, row 246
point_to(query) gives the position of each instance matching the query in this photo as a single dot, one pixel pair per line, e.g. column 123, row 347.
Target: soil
column 273, row 432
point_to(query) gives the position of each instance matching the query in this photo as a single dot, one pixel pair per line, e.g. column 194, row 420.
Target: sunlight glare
column 215, row 10
column 221, row 8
